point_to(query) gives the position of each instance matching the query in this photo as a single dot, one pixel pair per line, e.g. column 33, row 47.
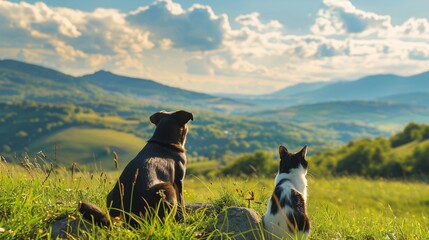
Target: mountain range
column 41, row 106
column 47, row 84
column 412, row 89
column 23, row 81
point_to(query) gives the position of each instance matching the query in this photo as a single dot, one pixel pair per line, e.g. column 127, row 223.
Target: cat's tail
column 94, row 214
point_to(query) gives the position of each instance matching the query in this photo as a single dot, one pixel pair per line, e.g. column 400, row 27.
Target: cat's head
column 293, row 162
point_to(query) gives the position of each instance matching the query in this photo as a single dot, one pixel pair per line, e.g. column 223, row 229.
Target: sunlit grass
column 343, row 208
column 79, row 143
column 109, row 119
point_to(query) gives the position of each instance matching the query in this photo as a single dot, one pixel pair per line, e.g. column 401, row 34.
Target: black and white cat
column 286, row 215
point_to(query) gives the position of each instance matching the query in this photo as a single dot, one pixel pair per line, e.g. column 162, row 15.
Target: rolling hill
column 86, row 136
column 89, row 145
column 40, row 107
column 297, row 89
column 414, row 98
column 22, row 81
column 404, row 154
column 351, row 119
column 353, row 111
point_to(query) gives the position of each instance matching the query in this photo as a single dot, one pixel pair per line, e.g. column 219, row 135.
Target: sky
column 220, row 46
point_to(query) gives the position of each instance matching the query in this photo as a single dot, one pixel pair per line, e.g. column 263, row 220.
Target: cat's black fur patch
column 299, row 216
column 277, row 197
column 290, row 161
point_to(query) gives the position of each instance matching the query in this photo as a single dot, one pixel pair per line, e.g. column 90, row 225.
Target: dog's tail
column 94, row 214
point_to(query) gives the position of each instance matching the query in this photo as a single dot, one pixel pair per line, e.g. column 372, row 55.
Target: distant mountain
column 140, row 88
column 298, row 88
column 368, row 88
column 35, row 71
column 415, row 98
column 371, row 112
column 23, row 81
column 371, row 87
column 152, row 91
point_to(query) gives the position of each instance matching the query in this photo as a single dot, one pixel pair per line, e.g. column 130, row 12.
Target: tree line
column 404, row 155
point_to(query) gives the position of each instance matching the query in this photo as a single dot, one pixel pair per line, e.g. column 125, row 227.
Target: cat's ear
column 303, row 152
column 282, row 151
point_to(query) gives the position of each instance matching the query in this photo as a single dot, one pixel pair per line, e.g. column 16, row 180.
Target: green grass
column 341, row 208
column 408, row 149
column 108, row 119
column 90, row 145
column 202, row 167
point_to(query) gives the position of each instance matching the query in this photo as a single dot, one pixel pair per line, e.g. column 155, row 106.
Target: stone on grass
column 208, row 208
column 70, row 226
column 240, row 223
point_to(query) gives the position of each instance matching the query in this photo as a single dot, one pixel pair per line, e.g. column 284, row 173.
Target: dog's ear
column 156, row 117
column 183, row 117
column 282, row 151
column 303, row 152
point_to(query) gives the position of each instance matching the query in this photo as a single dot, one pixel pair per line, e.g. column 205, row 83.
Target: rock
column 240, row 223
column 73, row 225
column 208, row 208
column 68, row 226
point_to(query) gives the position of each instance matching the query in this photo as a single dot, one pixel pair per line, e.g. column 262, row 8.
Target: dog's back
column 148, row 179
column 155, row 176
column 153, row 180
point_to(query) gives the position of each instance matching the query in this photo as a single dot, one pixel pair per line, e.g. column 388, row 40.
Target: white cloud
column 195, row 29
column 252, row 21
column 342, row 17
column 414, row 28
column 163, row 41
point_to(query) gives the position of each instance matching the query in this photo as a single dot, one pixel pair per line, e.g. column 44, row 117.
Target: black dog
column 154, row 178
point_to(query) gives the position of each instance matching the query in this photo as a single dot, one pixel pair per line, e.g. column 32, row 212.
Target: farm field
column 340, row 208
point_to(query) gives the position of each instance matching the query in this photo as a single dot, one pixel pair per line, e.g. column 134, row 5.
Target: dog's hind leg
column 93, row 213
column 163, row 198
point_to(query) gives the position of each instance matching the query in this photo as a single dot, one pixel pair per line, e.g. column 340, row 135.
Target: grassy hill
column 352, row 119
column 85, row 135
column 77, row 143
column 407, row 149
column 415, row 98
column 361, row 111
column 62, row 105
column 22, row 81
column 403, row 155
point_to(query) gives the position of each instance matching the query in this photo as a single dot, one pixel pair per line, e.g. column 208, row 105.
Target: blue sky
column 240, row 46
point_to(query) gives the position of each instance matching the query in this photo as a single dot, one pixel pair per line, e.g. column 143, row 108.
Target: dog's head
column 171, row 127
